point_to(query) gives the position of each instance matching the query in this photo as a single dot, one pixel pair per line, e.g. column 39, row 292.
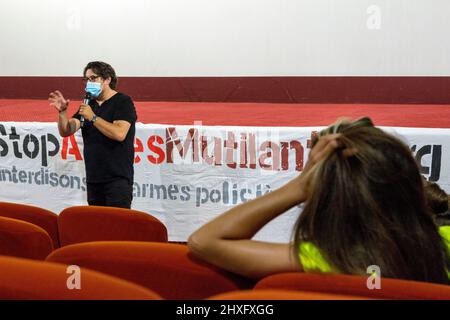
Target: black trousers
column 117, row 193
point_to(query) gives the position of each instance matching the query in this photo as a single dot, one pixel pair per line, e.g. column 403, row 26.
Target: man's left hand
column 86, row 112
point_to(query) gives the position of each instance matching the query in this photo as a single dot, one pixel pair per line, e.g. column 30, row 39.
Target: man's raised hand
column 57, row 100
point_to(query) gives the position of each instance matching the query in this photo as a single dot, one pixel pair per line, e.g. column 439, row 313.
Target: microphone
column 86, row 100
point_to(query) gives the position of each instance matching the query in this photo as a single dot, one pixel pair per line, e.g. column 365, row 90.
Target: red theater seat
column 92, row 223
column 168, row 269
column 22, row 279
column 354, row 285
column 23, row 239
column 278, row 294
column 43, row 218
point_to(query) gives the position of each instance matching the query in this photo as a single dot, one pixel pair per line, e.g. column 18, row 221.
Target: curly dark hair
column 104, row 70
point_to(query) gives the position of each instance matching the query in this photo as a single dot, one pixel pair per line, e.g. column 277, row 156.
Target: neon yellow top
column 312, row 260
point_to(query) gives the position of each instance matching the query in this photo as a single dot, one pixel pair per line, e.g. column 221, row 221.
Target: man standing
column 108, row 130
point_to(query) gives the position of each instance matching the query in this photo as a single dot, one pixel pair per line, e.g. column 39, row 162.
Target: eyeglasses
column 91, row 78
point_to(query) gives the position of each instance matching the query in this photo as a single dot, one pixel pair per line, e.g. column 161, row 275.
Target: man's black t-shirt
column 106, row 159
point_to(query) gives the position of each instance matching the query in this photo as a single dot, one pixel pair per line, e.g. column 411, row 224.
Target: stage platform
column 249, row 114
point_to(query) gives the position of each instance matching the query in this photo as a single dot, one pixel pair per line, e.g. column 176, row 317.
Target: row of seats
column 149, row 271
column 133, row 260
column 32, row 232
column 24, row 279
column 173, row 272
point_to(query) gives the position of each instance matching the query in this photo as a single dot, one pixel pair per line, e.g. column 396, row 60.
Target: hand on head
column 322, row 149
column 325, row 146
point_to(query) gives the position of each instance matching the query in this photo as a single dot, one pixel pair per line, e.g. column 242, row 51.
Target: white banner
column 185, row 175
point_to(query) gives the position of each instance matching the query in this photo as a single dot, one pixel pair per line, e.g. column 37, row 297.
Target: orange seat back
column 23, row 239
column 168, row 269
column 354, row 285
column 278, row 294
column 43, row 218
column 23, row 279
column 93, row 223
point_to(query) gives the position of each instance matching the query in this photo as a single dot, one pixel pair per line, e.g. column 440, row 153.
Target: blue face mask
column 94, row 89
